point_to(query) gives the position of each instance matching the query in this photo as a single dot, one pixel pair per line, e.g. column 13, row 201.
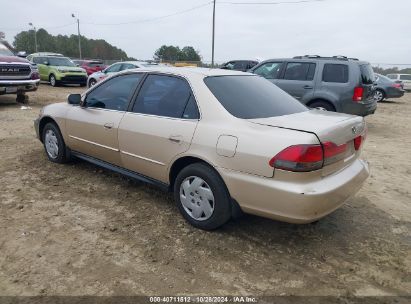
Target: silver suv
column 335, row 83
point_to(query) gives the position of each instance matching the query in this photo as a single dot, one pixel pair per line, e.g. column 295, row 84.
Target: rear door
column 159, row 125
column 93, row 129
column 298, row 80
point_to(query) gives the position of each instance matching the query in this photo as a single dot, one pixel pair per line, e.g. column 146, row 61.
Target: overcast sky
column 373, row 30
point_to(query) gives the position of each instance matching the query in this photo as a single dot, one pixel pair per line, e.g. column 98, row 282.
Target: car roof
column 47, row 54
column 190, row 71
column 318, row 59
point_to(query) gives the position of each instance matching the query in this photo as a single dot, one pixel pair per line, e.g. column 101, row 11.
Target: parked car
column 57, row 69
column 239, row 65
column 405, row 79
column 336, row 83
column 91, row 66
column 17, row 75
column 223, row 141
column 387, row 88
column 115, row 68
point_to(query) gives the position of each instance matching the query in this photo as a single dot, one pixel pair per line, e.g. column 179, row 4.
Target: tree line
column 68, row 45
column 174, row 53
column 394, row 70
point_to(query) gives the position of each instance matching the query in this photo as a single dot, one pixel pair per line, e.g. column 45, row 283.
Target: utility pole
column 212, row 51
column 79, row 37
column 35, row 36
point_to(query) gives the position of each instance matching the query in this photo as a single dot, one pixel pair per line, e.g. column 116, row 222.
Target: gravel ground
column 76, row 229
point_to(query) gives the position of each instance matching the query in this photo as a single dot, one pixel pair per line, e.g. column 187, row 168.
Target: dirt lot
column 76, row 229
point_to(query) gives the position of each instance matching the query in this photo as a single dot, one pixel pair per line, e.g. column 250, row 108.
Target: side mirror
column 22, row 54
column 74, row 99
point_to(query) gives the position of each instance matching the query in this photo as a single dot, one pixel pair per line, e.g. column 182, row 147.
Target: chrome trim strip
column 94, row 143
column 144, row 158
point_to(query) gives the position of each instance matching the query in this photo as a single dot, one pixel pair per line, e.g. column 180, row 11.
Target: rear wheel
column 202, row 197
column 323, row 105
column 54, row 144
column 379, row 95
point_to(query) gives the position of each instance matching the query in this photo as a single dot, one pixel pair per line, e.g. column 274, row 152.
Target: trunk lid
column 327, row 126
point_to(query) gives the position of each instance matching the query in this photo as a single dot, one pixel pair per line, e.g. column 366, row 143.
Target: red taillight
column 357, row 142
column 303, row 158
column 397, row 85
column 358, row 92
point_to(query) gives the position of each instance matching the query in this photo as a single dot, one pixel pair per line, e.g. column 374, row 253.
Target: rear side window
column 251, row 97
column 115, row 93
column 405, row 77
column 166, row 96
column 299, row 71
column 335, row 73
column 367, row 74
column 391, row 76
column 127, row 66
column 114, row 68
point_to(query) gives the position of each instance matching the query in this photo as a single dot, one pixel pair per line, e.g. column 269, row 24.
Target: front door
column 160, row 125
column 93, row 128
column 298, row 80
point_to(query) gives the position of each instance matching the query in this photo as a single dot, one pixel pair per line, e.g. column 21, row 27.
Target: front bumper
column 10, row 86
column 293, row 201
column 73, row 79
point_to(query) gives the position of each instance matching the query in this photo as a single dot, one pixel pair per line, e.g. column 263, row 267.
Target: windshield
column 405, row 77
column 4, row 51
column 60, row 61
column 250, row 97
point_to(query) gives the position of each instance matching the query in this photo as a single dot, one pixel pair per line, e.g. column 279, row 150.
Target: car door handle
column 307, row 87
column 108, row 125
column 175, row 138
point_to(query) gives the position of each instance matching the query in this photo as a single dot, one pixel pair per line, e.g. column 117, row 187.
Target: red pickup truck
column 17, row 75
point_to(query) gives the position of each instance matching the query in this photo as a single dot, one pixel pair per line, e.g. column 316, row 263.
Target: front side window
column 251, row 97
column 166, row 96
column 38, row 60
column 269, row 70
column 299, row 71
column 114, row 94
column 114, row 68
column 335, row 73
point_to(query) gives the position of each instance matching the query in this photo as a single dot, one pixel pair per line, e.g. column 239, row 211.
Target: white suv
column 405, row 79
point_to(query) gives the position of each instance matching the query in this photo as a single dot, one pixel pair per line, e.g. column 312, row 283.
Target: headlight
column 62, row 70
column 83, row 70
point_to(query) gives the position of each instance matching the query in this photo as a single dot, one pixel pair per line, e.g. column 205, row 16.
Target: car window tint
column 163, row 96
column 252, row 97
column 127, row 66
column 191, row 110
column 405, row 77
column 367, row 74
column 240, row 65
column 114, row 68
column 299, row 71
column 114, row 94
column 335, row 73
column 269, row 70
column 229, row 66
column 251, row 64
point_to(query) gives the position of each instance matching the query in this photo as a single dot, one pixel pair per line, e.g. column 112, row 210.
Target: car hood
column 97, row 74
column 13, row 59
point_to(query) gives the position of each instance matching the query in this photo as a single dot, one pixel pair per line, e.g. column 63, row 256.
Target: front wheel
column 54, row 144
column 202, row 197
column 53, row 80
column 92, row 83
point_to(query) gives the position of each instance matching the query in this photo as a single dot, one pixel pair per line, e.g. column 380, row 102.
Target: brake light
column 397, row 85
column 357, row 142
column 303, row 158
column 358, row 92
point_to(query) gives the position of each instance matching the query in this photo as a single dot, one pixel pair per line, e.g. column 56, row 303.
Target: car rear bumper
column 10, row 86
column 362, row 108
column 394, row 93
column 295, row 202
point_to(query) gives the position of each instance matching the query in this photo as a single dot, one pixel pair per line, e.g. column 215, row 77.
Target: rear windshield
column 250, row 97
column 367, row 74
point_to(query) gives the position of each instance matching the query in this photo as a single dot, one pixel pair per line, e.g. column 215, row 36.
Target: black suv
column 239, row 65
column 335, row 83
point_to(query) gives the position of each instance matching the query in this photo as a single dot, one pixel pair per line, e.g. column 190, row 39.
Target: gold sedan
column 223, row 141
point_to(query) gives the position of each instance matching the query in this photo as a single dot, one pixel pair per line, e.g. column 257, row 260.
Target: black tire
column 379, row 95
column 61, row 156
column 53, row 81
column 222, row 200
column 22, row 98
column 92, row 83
column 322, row 104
